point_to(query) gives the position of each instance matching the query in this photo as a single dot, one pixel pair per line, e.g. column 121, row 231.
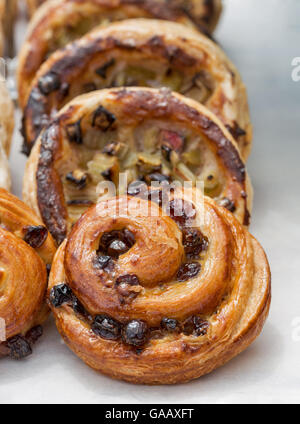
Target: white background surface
column 262, row 38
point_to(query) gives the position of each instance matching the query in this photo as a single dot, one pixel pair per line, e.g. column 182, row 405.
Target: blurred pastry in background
column 59, row 22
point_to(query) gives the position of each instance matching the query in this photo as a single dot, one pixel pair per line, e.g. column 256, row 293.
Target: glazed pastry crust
column 232, row 294
column 23, row 269
column 142, row 44
column 55, row 16
column 52, row 156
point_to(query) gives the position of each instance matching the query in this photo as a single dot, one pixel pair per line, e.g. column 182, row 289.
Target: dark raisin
column 102, row 71
column 156, row 177
column 182, row 211
column 128, row 286
column 35, row 236
column 78, row 307
column 103, row 261
column 194, row 242
column 106, row 327
column 19, row 347
column 34, row 334
column 236, row 131
column 170, row 324
column 228, row 204
column 107, row 174
column 103, row 119
column 137, row 188
column 201, row 326
column 188, row 271
column 108, row 237
column 49, row 83
column 128, row 237
column 78, row 178
column 125, row 282
column 196, row 326
column 60, row 294
column 135, row 333
column 166, row 152
column 74, row 132
column 117, row 248
column 116, row 243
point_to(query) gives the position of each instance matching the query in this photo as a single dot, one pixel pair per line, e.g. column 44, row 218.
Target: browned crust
column 204, row 17
column 186, row 359
column 133, row 105
column 49, row 189
column 193, row 52
column 173, row 11
column 24, row 269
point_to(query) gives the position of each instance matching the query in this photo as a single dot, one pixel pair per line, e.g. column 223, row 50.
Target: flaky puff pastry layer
column 230, row 296
column 125, row 115
column 24, row 257
column 154, row 54
column 58, row 22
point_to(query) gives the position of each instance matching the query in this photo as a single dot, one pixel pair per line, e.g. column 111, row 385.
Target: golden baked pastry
column 8, row 14
column 26, row 249
column 2, row 9
column 141, row 53
column 147, row 134
column 59, row 22
column 161, row 298
column 33, row 5
column 7, row 121
column 6, row 131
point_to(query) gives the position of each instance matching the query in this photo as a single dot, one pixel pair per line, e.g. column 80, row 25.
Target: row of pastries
column 159, row 280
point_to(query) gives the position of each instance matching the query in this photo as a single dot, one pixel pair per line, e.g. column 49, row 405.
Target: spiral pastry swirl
column 144, row 134
column 59, row 22
column 160, row 297
column 143, row 53
column 26, row 251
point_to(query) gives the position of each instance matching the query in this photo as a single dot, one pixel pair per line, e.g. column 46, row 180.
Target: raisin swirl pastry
column 141, row 53
column 59, row 22
column 149, row 135
column 26, row 250
column 158, row 298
